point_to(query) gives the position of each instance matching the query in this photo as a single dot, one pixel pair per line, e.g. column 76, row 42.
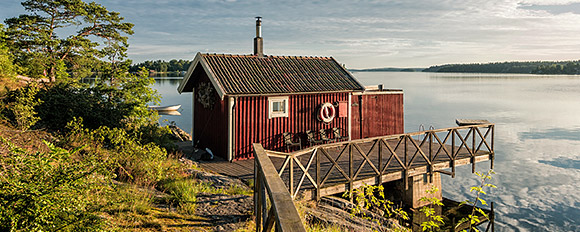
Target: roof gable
column 248, row 74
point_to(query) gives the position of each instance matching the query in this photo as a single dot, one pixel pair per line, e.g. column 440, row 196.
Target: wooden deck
column 337, row 167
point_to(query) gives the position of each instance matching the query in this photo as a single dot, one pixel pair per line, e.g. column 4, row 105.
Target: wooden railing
column 269, row 189
column 388, row 158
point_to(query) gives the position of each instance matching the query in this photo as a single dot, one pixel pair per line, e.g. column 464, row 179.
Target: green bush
column 127, row 157
column 51, row 191
column 64, row 101
column 19, row 106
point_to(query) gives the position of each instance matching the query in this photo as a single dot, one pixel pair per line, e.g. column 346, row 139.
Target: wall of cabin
column 210, row 123
column 252, row 125
column 377, row 114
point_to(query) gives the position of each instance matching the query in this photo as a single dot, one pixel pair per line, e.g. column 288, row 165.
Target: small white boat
column 164, row 108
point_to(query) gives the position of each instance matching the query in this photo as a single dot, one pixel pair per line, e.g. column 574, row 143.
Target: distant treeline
column 388, row 70
column 534, row 67
column 161, row 66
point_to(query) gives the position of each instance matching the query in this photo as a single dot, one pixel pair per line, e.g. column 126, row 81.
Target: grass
column 184, row 192
column 133, row 208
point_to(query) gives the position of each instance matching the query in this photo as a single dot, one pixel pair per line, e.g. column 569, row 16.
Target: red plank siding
column 377, row 115
column 210, row 126
column 252, row 123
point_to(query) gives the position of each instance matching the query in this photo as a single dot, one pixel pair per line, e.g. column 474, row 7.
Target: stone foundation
column 418, row 185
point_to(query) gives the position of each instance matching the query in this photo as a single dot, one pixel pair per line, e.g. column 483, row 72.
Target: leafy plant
column 371, row 197
column 472, row 218
column 7, row 67
column 19, row 106
column 434, row 221
column 49, row 191
column 130, row 160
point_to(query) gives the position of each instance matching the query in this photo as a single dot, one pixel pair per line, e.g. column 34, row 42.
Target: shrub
column 48, row 191
column 19, row 106
column 131, row 161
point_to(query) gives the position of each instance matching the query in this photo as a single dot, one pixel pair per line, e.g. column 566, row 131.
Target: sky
column 358, row 33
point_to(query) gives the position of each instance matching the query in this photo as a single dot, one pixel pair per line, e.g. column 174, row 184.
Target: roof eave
column 289, row 93
column 199, row 60
column 349, row 74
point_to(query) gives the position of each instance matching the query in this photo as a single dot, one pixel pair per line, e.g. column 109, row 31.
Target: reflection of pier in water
column 452, row 212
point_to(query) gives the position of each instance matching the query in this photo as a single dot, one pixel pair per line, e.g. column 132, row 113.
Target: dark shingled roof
column 249, row 74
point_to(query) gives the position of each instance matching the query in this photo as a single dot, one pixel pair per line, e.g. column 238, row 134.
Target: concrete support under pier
column 418, row 186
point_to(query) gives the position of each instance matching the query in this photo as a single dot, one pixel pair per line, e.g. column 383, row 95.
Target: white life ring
column 327, row 112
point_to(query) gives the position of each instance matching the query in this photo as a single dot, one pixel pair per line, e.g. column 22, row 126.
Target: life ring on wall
column 327, row 112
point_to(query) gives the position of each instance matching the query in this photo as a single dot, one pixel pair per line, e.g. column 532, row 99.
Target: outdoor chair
column 338, row 134
column 289, row 141
column 324, row 137
column 311, row 135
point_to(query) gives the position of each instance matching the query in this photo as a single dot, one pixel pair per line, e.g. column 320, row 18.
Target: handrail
column 400, row 149
column 269, row 186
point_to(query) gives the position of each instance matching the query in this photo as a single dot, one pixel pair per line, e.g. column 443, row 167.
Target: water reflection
column 536, row 119
column 563, row 162
column 552, row 133
column 537, row 138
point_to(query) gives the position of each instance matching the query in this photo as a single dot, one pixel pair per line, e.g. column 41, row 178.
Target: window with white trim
column 278, row 107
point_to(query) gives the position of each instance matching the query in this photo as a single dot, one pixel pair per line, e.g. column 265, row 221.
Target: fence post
column 282, row 212
column 317, row 175
column 350, row 174
column 257, row 197
column 452, row 152
column 291, row 179
column 380, row 179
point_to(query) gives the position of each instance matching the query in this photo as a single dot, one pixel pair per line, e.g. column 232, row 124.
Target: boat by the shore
column 164, row 108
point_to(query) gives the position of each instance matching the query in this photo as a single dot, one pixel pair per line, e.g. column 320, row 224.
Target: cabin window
column 278, row 107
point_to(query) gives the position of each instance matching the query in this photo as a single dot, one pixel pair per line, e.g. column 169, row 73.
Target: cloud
column 396, row 32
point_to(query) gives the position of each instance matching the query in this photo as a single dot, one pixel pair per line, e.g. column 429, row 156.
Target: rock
column 336, row 211
column 179, row 134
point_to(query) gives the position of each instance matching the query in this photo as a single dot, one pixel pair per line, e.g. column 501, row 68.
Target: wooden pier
column 338, row 167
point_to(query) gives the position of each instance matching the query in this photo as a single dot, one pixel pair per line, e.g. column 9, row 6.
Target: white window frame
column 274, row 114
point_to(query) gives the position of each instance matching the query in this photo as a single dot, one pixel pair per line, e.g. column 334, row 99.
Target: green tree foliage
column 61, row 37
column 535, row 67
column 122, row 104
column 572, row 67
column 18, row 106
column 161, row 66
column 7, row 67
column 48, row 191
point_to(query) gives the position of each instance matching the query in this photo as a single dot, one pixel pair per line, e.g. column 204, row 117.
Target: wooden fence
column 269, row 189
column 383, row 159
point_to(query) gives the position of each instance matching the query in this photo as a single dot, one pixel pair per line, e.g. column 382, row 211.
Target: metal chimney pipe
column 258, row 27
column 258, row 41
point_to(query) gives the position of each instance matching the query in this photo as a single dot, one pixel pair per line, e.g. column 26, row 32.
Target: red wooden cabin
column 243, row 99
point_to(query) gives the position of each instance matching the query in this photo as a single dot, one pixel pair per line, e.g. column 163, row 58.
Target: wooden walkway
column 338, row 167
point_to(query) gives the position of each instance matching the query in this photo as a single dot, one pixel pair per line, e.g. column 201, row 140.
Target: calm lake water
column 537, row 137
